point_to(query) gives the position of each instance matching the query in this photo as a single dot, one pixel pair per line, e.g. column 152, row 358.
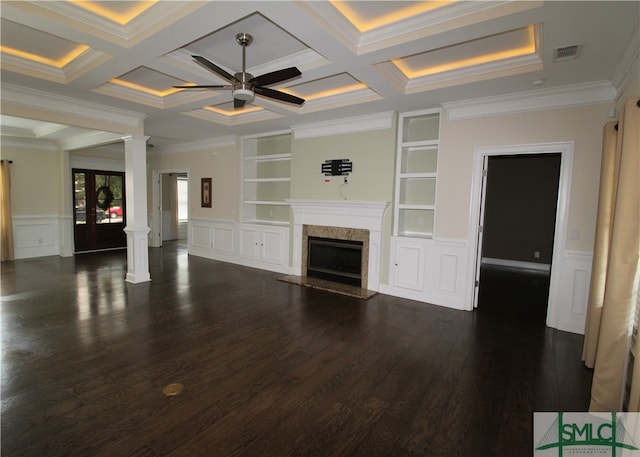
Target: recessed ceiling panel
column 150, row 87
column 124, row 23
column 327, row 87
column 225, row 114
column 370, row 15
column 120, row 12
column 149, row 81
column 227, row 109
column 332, row 92
column 37, row 46
column 503, row 54
column 270, row 43
column 514, row 43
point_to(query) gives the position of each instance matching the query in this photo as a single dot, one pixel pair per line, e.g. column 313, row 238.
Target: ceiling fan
column 244, row 85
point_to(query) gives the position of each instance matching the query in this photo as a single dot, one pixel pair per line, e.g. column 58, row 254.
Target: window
column 183, row 199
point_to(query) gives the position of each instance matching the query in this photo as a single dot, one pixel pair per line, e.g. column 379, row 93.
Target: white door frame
column 156, row 202
column 562, row 214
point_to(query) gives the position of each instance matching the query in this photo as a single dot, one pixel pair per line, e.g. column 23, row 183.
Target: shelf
column 265, row 202
column 417, row 207
column 267, row 180
column 417, row 191
column 418, row 175
column 267, row 222
column 269, row 158
column 420, row 127
column 419, row 159
column 421, row 144
column 421, row 235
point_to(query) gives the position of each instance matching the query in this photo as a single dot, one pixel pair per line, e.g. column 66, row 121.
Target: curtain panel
column 6, row 222
column 616, row 263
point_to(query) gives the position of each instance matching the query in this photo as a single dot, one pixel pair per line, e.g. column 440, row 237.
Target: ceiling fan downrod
column 242, row 88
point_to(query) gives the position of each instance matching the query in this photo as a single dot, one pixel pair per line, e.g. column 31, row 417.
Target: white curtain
column 616, row 264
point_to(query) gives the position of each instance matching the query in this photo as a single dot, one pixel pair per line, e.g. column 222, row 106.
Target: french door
column 99, row 210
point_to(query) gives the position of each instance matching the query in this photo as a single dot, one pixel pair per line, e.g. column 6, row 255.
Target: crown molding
column 379, row 121
column 89, row 139
column 452, row 16
column 74, row 69
column 535, row 100
column 203, row 145
column 475, row 73
column 60, row 106
column 336, row 101
column 170, row 101
column 456, row 15
column 31, row 144
column 629, row 64
column 238, row 119
column 157, row 17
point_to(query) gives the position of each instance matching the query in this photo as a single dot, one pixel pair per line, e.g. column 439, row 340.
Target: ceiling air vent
column 566, row 53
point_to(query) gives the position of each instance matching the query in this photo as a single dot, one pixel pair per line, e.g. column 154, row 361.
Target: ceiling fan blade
column 203, row 86
column 276, row 94
column 275, row 76
column 237, row 103
column 214, row 68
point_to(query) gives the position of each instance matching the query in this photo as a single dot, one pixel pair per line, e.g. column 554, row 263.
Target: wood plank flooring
column 269, row 368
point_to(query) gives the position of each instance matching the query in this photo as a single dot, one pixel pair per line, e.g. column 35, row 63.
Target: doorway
column 518, row 231
column 170, row 196
column 527, row 259
column 99, row 213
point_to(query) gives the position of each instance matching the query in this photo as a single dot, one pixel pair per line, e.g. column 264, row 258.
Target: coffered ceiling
column 356, row 57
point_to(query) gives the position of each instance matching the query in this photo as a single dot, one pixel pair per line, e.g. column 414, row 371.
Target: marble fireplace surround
column 337, row 233
column 359, row 220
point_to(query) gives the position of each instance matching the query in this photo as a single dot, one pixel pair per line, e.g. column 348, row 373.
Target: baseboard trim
column 542, row 267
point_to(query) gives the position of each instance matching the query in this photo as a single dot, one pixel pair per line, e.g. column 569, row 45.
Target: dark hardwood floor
column 269, row 368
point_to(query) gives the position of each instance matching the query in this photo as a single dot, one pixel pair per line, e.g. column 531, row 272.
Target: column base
column 137, row 254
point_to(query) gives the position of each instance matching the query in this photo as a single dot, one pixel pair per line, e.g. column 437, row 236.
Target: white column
column 137, row 229
column 66, row 218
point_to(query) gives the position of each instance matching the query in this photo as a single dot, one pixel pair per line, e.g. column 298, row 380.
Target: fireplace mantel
column 358, row 208
column 361, row 214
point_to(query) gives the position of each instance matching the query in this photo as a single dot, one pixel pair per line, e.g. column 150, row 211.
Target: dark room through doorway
column 518, row 220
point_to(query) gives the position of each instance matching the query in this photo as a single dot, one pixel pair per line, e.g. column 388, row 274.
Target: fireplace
column 344, row 220
column 335, row 260
column 323, row 244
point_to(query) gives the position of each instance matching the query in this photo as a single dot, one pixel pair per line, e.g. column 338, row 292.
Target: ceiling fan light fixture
column 243, row 94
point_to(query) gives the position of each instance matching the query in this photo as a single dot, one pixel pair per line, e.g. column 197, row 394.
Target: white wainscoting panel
column 445, row 271
column 200, row 235
column 220, row 240
column 572, row 293
column 448, row 268
column 223, row 238
column 36, row 236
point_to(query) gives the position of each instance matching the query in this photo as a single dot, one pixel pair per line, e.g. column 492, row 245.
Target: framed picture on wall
column 205, row 193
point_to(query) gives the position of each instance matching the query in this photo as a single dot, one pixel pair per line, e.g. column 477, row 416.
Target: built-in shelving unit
column 416, row 173
column 267, row 179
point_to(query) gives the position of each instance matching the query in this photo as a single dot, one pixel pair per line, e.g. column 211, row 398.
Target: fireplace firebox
column 335, row 260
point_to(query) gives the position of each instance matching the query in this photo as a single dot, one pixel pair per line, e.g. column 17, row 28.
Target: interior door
column 483, row 196
column 99, row 210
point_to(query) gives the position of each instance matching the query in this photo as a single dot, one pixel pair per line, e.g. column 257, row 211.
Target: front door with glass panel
column 99, row 210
